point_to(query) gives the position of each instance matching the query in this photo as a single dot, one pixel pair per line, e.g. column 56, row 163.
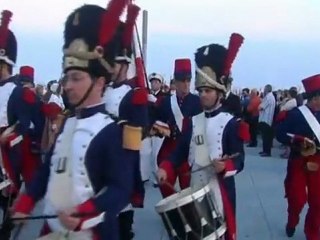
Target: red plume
column 132, row 14
column 5, row 19
column 235, row 43
column 110, row 20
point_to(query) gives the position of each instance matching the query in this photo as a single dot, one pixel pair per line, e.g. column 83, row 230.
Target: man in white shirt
column 267, row 108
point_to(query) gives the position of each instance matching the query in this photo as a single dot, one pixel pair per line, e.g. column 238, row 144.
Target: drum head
column 182, row 198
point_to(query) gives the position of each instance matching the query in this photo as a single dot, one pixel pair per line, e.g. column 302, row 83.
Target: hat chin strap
column 214, row 83
column 85, row 96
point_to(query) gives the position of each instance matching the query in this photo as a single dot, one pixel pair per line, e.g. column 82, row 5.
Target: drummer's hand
column 4, row 138
column 219, row 166
column 308, row 142
column 19, row 215
column 69, row 222
column 162, row 175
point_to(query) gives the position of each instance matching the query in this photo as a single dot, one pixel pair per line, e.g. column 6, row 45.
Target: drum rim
column 219, row 232
column 167, row 204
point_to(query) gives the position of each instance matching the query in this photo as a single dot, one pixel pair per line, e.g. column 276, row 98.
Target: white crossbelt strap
column 311, row 120
column 178, row 116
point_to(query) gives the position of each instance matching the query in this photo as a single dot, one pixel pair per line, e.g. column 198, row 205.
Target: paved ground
column 261, row 207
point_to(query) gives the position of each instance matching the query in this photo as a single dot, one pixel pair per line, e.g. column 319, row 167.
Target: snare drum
column 190, row 214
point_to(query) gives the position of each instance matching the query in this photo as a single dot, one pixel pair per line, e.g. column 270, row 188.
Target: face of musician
column 182, row 87
column 314, row 103
column 120, row 71
column 209, row 97
column 76, row 85
column 155, row 85
column 5, row 71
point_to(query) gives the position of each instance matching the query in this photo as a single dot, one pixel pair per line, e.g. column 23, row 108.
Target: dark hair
column 293, row 93
column 246, row 90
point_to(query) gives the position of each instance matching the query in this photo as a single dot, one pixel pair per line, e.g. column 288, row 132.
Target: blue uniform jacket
column 231, row 144
column 189, row 106
column 296, row 124
column 109, row 167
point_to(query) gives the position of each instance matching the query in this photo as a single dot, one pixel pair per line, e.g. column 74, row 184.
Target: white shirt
column 57, row 100
column 267, row 105
column 290, row 104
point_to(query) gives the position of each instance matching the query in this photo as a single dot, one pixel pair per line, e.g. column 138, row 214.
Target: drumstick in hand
column 211, row 164
column 165, row 182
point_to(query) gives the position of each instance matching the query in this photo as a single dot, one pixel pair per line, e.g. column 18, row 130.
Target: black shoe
column 6, row 229
column 261, row 153
column 252, row 145
column 265, row 155
column 290, row 231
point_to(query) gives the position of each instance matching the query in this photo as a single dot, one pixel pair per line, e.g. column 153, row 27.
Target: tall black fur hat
column 214, row 63
column 8, row 42
column 210, row 64
column 92, row 38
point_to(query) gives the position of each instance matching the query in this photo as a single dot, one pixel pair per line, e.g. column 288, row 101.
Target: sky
column 281, row 44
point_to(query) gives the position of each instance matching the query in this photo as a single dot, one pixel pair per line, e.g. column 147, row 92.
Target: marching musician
column 157, row 94
column 221, row 131
column 125, row 101
column 215, row 135
column 21, row 121
column 177, row 111
column 8, row 56
column 36, row 115
column 300, row 130
column 87, row 178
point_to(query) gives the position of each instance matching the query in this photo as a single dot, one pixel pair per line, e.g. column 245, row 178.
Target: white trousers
column 145, row 159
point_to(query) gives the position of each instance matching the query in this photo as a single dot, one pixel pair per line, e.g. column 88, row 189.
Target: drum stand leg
column 217, row 213
column 173, row 232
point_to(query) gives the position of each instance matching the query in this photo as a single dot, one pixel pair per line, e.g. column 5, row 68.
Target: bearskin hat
column 92, row 38
column 210, row 63
column 214, row 63
column 8, row 42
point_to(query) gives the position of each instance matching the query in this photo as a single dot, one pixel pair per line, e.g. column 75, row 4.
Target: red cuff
column 137, row 200
column 230, row 168
column 243, row 131
column 24, row 204
column 14, row 139
column 29, row 96
column 87, row 207
column 298, row 139
column 140, row 96
column 166, row 166
column 86, row 211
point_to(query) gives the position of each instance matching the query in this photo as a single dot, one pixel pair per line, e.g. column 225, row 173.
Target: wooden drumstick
column 211, row 164
column 164, row 182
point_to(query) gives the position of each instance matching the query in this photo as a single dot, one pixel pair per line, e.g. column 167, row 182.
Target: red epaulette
column 140, row 96
column 51, row 110
column 29, row 96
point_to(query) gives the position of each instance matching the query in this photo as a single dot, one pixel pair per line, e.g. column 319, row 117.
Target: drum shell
column 193, row 221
